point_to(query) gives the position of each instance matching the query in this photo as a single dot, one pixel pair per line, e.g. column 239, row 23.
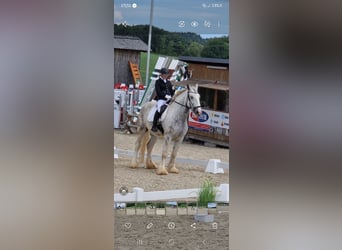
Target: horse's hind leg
column 139, row 146
column 161, row 168
column 149, row 163
column 172, row 166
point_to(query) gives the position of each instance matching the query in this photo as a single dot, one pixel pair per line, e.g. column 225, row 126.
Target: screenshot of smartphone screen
column 189, row 47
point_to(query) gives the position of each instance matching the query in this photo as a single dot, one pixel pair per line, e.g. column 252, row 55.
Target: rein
column 185, row 105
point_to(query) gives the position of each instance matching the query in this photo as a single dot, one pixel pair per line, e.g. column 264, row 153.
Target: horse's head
column 194, row 100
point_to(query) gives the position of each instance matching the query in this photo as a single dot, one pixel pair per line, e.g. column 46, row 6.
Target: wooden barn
column 126, row 49
column 212, row 77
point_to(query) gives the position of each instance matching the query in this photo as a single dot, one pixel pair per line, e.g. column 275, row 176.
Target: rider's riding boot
column 155, row 121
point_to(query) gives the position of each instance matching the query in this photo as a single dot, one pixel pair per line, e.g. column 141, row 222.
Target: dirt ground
column 183, row 236
column 190, row 176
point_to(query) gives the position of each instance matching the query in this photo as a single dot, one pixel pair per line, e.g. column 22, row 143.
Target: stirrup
column 155, row 129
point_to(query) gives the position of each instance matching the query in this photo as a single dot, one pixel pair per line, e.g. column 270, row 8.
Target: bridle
column 192, row 107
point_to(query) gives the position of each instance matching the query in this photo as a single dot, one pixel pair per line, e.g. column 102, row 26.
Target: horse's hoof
column 151, row 165
column 173, row 170
column 134, row 165
column 162, row 172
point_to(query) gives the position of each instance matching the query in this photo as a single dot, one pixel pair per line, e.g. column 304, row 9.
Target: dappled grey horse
column 175, row 125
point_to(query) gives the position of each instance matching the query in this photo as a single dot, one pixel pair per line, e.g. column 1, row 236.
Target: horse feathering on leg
column 175, row 124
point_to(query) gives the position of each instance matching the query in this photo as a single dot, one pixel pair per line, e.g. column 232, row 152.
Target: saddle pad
column 151, row 113
column 153, row 110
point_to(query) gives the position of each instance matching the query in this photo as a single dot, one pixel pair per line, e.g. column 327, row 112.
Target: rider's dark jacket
column 163, row 89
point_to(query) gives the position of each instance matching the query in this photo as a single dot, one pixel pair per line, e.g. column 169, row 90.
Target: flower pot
column 191, row 209
column 171, row 211
column 160, row 211
column 130, row 211
column 140, row 211
column 202, row 215
column 150, row 209
column 182, row 211
column 120, row 211
column 201, row 210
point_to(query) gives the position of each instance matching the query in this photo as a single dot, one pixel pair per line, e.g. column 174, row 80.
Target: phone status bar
column 210, row 5
column 129, row 5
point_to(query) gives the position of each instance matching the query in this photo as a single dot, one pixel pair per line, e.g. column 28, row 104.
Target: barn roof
column 129, row 43
column 204, row 60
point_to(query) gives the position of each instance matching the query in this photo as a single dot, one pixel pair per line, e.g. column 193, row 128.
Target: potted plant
column 206, row 195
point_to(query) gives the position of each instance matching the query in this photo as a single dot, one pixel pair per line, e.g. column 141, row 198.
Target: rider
column 164, row 91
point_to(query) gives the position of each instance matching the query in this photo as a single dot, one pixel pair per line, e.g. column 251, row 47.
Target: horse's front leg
column 172, row 166
column 161, row 168
column 143, row 146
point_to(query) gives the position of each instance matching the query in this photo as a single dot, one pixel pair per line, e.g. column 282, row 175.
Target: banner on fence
column 209, row 119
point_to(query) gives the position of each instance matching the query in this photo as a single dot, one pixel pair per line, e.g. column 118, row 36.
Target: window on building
column 207, row 97
column 214, row 99
column 223, row 101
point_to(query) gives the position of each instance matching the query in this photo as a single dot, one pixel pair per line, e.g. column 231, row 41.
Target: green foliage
column 140, row 205
column 192, row 204
column 128, row 205
column 182, row 205
column 194, row 49
column 160, row 205
column 207, row 193
column 216, row 48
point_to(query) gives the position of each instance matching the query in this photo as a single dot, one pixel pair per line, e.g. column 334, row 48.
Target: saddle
column 162, row 110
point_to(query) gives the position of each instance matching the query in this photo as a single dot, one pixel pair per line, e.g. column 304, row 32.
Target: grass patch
column 143, row 63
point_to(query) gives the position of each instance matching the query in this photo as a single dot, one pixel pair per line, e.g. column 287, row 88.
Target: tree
column 194, row 49
column 216, row 48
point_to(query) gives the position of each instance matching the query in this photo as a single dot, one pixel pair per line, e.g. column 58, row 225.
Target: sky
column 207, row 18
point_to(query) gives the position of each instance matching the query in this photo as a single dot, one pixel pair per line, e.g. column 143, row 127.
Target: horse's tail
column 140, row 122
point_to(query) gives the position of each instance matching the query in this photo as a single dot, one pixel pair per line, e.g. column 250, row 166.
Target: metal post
column 149, row 44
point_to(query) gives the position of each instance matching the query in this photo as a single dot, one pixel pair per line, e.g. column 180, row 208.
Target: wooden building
column 126, row 49
column 212, row 77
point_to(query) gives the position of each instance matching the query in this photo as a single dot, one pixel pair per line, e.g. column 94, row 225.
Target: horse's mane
column 178, row 93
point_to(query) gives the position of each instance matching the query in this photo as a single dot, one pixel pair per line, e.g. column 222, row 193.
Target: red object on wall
column 117, row 85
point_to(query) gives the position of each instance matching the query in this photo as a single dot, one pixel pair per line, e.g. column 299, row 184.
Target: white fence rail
column 138, row 195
